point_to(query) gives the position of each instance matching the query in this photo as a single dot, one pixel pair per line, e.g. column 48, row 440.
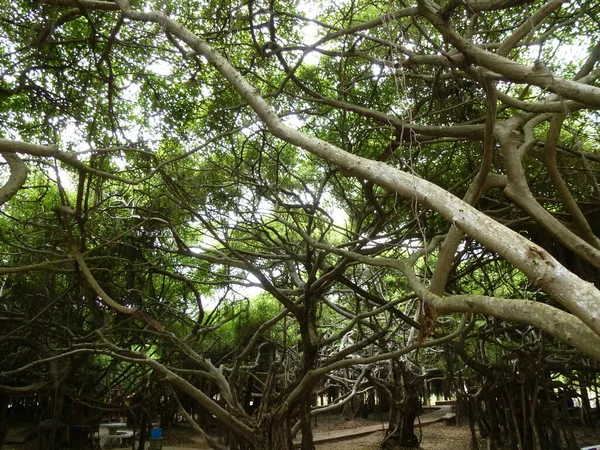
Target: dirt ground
column 436, row 436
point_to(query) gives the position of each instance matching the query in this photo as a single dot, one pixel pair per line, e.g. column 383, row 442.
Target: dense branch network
column 404, row 169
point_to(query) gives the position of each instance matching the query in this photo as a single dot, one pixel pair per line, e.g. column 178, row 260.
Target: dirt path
column 436, row 436
column 347, row 433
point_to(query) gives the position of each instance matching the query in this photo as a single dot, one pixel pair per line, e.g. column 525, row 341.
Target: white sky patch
column 161, row 68
column 67, row 180
column 250, row 130
column 310, row 31
column 377, row 69
column 563, row 53
column 9, row 78
column 237, row 292
column 120, row 162
column 293, row 121
column 573, row 52
column 254, row 287
column 339, row 216
column 265, row 207
column 72, row 138
column 131, row 93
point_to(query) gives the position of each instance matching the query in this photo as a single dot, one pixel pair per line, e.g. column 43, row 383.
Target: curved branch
column 84, row 4
column 20, row 391
column 213, row 443
column 107, row 299
column 493, row 5
column 527, row 25
column 205, row 401
column 560, row 324
column 517, row 190
column 18, row 176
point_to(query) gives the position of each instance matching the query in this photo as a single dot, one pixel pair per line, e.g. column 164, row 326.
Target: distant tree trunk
column 273, row 428
column 585, row 406
column 384, row 401
column 350, row 408
column 369, row 404
column 52, row 430
column 305, row 404
column 3, row 425
column 305, row 423
column 404, row 408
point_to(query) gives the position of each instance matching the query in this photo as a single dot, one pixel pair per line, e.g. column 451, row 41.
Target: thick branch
column 514, row 71
column 562, row 325
column 18, row 176
column 529, row 24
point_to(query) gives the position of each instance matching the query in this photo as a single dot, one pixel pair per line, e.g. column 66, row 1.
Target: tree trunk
column 401, row 431
column 585, row 406
column 305, row 423
column 404, row 409
column 309, row 357
column 272, row 429
column 274, row 432
column 350, row 408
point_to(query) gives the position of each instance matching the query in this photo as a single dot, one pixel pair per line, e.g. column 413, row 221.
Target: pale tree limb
column 10, row 147
column 50, row 359
column 517, row 189
column 47, row 266
column 494, row 5
column 537, row 75
column 532, row 21
column 21, row 391
column 18, row 176
column 315, row 373
column 560, row 324
column 563, row 326
column 85, row 4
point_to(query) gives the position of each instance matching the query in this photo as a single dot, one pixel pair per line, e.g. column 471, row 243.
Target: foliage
column 252, row 202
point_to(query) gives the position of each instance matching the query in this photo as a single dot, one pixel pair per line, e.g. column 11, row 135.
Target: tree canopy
column 216, row 195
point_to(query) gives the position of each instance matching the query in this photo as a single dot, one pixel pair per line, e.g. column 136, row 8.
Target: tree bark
column 274, row 432
column 307, row 329
column 404, row 400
